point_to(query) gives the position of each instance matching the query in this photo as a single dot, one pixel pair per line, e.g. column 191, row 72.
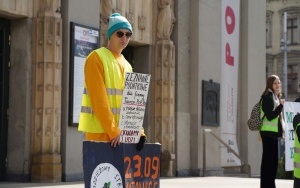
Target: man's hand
column 115, row 142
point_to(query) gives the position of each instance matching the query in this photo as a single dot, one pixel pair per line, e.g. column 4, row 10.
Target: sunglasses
column 120, row 34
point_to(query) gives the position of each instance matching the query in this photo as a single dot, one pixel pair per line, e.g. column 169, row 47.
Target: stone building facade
column 279, row 50
column 173, row 40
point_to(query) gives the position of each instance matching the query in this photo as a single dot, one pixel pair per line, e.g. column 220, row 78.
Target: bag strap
column 260, row 102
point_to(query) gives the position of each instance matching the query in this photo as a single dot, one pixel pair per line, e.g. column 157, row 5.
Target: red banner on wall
column 230, row 36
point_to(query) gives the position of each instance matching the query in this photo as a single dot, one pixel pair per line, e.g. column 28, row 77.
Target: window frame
column 292, row 13
column 269, row 17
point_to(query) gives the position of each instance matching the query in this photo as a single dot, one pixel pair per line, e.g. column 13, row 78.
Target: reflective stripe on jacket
column 114, row 83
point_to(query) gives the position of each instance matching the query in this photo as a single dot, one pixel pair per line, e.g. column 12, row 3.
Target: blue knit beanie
column 116, row 22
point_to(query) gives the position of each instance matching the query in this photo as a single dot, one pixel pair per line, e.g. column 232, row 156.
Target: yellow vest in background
column 297, row 155
column 267, row 125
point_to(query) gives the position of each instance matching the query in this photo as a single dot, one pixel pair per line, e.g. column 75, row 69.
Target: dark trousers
column 269, row 162
column 296, row 182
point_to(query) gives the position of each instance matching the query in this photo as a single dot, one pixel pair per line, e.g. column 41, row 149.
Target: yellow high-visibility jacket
column 102, row 97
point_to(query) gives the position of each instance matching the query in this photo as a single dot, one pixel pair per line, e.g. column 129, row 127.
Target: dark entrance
column 128, row 54
column 4, row 70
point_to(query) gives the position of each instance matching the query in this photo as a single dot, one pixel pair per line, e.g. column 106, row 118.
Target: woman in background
column 271, row 130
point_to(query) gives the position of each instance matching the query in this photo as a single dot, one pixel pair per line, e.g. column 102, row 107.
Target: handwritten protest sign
column 133, row 106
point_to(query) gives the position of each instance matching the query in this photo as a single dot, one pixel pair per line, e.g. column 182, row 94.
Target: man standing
column 104, row 71
column 296, row 125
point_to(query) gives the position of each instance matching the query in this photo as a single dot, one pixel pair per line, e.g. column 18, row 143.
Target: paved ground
column 190, row 182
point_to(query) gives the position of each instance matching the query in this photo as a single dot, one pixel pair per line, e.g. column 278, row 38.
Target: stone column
column 163, row 112
column 46, row 124
column 163, row 79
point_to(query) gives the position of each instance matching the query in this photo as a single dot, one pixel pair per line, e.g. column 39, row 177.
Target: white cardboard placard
column 133, row 106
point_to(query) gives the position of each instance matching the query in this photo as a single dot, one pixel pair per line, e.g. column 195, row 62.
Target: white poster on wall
column 229, row 83
column 84, row 40
column 133, row 106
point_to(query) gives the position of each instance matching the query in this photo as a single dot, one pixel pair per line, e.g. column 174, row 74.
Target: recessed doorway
column 4, row 90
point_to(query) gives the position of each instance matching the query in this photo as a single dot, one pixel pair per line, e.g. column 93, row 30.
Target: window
column 293, row 18
column 292, row 79
column 269, row 29
column 292, row 28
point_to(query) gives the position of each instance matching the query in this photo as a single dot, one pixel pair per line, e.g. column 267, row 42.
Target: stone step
column 235, row 172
